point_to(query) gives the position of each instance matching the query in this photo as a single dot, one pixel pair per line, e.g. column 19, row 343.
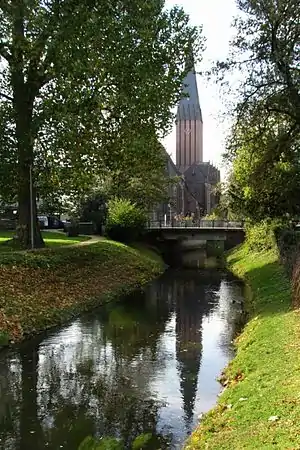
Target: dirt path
column 92, row 240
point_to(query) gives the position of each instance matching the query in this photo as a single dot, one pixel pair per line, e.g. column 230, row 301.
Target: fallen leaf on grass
column 32, row 295
column 273, row 418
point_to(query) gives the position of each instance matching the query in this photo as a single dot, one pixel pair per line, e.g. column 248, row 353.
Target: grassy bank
column 51, row 239
column 260, row 406
column 42, row 289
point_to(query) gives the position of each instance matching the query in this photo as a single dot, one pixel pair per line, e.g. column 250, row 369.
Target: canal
column 147, row 364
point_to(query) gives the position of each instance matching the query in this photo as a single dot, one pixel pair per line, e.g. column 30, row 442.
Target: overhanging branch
column 2, row 94
column 4, row 52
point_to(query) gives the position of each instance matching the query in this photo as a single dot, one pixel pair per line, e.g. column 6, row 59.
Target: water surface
column 146, row 364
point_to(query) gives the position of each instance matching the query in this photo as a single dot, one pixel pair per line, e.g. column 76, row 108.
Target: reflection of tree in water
column 126, row 410
column 135, row 324
column 95, row 377
column 97, row 385
column 133, row 328
column 10, row 395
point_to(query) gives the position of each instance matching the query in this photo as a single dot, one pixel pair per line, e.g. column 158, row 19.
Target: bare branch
column 2, row 94
column 4, row 52
column 4, row 5
column 284, row 70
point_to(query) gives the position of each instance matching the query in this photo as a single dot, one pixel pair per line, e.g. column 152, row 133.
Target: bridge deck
column 196, row 228
column 196, row 225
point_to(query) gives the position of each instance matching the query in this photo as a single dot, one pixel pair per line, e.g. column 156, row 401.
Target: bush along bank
column 46, row 288
column 260, row 405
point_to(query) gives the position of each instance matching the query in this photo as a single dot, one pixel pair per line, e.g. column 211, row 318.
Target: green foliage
column 262, row 236
column 142, row 177
column 224, row 211
column 139, row 176
column 93, row 208
column 265, row 180
column 288, row 237
column 108, row 443
column 141, row 441
column 104, row 444
column 288, row 242
column 125, row 220
column 265, row 49
column 4, row 338
column 83, row 86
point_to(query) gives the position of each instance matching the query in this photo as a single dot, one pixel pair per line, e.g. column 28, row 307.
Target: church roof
column 171, row 167
column 203, row 172
column 189, row 106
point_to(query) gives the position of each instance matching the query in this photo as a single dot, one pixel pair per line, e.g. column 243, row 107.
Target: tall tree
column 141, row 173
column 264, row 138
column 79, row 77
column 265, row 177
column 266, row 50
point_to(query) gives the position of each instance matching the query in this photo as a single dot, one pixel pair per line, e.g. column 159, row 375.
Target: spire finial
column 190, row 61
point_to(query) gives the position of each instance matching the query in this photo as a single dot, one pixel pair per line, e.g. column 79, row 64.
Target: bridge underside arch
column 193, row 247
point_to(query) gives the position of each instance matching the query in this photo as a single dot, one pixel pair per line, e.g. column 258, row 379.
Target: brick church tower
column 189, row 125
column 199, row 176
column 194, row 191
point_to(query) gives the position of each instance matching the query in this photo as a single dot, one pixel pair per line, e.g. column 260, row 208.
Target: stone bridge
column 195, row 243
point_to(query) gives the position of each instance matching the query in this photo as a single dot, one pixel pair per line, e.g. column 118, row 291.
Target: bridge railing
column 224, row 224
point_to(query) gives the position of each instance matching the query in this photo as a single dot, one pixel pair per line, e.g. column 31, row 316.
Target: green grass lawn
column 52, row 239
column 260, row 407
column 148, row 251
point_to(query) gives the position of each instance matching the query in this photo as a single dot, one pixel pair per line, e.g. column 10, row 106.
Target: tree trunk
column 25, row 161
column 31, row 430
column 25, row 227
column 24, row 94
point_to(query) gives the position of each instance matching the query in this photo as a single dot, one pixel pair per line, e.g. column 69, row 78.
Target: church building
column 200, row 177
column 194, row 192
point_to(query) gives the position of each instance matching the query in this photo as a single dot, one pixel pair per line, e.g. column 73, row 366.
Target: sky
column 216, row 17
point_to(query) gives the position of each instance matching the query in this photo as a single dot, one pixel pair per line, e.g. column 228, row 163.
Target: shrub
column 288, row 242
column 125, row 220
column 263, row 235
column 94, row 209
column 110, row 443
column 104, row 444
column 73, row 230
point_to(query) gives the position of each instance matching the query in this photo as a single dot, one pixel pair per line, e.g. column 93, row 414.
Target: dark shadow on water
column 144, row 365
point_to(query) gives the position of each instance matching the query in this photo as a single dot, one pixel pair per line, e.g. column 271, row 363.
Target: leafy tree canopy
column 264, row 140
column 78, row 81
column 266, row 50
column 265, row 177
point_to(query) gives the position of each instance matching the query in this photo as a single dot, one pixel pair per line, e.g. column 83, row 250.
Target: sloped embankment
column 46, row 288
column 260, row 406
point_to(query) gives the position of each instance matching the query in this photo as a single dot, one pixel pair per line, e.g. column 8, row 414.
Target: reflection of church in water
column 191, row 306
column 191, row 300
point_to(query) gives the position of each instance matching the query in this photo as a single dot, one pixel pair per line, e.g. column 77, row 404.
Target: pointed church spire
column 189, row 105
column 190, row 62
column 189, row 124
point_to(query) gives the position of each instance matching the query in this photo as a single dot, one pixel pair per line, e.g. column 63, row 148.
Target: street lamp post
column 31, row 208
column 170, row 212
